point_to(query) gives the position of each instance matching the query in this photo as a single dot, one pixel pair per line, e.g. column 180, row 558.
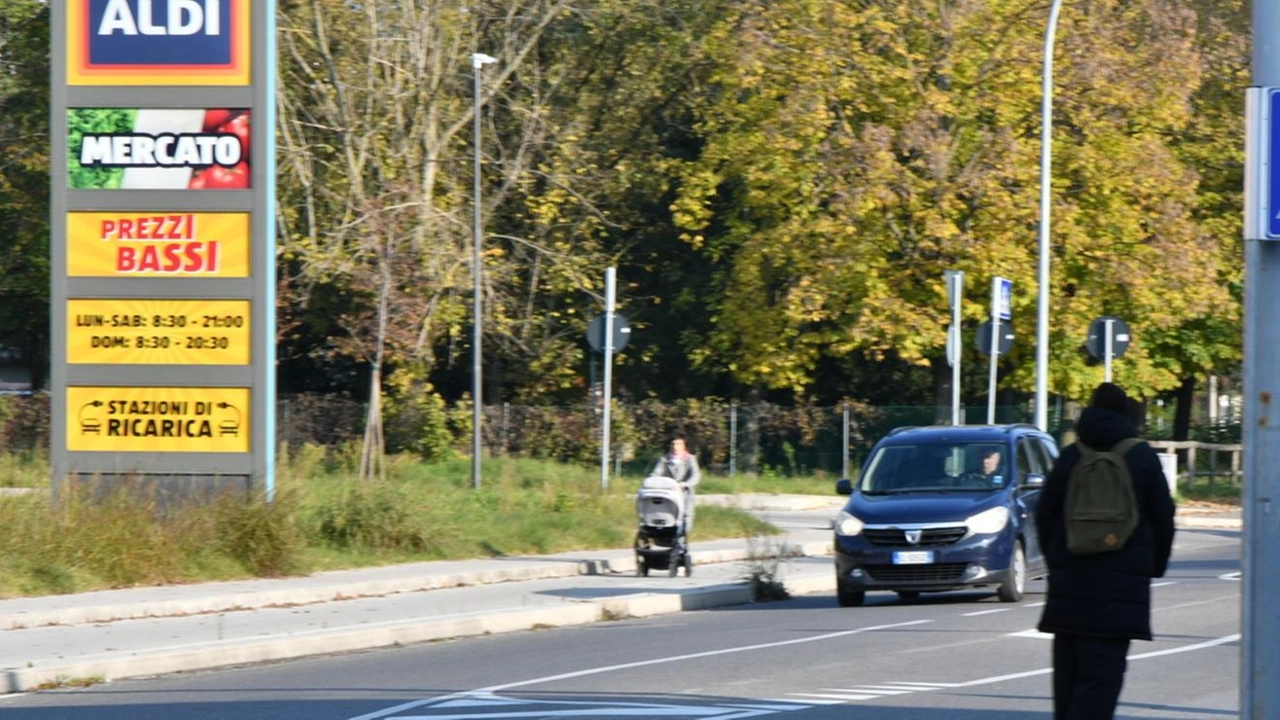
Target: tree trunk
column 373, row 451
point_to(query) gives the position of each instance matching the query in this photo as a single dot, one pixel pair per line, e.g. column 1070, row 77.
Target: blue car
column 944, row 508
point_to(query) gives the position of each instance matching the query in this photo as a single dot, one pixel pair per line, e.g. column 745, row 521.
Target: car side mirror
column 844, row 486
column 1033, row 480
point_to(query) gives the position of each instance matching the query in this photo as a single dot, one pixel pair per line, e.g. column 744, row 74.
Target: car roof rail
column 901, row 429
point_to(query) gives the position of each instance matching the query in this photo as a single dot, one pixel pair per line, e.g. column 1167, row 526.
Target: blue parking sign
column 1273, row 165
column 1002, row 298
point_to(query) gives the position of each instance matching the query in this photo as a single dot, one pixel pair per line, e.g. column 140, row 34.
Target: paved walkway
column 143, row 631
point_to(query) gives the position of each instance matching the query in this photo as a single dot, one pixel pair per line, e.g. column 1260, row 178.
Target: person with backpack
column 1106, row 522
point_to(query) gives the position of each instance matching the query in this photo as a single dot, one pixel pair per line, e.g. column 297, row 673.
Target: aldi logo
column 158, row 42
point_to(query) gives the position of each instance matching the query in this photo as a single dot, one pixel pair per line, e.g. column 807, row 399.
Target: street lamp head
column 479, row 60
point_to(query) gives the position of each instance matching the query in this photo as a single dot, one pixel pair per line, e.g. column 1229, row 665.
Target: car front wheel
column 1014, row 587
column 847, row 597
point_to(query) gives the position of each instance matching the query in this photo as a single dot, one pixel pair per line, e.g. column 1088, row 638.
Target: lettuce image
column 94, row 121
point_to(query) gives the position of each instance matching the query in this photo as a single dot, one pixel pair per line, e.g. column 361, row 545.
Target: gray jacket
column 684, row 470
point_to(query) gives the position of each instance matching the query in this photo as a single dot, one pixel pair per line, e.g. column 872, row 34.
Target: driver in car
column 989, row 473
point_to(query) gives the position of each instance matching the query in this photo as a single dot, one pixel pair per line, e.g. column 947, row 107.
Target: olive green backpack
column 1101, row 510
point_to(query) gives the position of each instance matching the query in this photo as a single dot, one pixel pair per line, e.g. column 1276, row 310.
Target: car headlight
column 847, row 525
column 988, row 522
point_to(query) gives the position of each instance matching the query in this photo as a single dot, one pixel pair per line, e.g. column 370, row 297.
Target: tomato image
column 214, row 119
column 221, row 178
column 238, row 126
column 225, row 121
column 218, row 177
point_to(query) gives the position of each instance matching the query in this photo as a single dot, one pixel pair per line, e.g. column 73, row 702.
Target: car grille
column 941, row 572
column 930, row 537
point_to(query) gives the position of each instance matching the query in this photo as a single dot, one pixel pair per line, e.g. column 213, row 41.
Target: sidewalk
column 115, row 634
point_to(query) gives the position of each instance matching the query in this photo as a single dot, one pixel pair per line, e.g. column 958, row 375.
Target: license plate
column 913, row 557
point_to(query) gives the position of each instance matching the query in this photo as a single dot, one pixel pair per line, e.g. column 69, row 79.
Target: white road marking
column 1210, row 601
column 865, row 690
column 835, row 698
column 1158, row 653
column 878, row 689
column 1187, row 648
column 985, row 612
column 483, row 705
column 1032, row 633
column 641, row 663
column 1163, row 584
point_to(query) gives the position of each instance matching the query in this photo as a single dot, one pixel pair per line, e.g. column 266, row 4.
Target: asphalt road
column 955, row 655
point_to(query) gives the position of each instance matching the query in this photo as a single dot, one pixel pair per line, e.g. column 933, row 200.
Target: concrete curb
column 188, row 657
column 289, row 596
column 244, row 601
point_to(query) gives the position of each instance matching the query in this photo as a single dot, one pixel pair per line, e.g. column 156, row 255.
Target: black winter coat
column 1109, row 594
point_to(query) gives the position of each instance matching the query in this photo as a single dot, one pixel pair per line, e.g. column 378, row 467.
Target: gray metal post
column 609, row 296
column 955, row 289
column 478, row 60
column 995, row 354
column 1260, row 616
column 733, row 439
column 1107, row 352
column 844, row 444
column 1042, row 274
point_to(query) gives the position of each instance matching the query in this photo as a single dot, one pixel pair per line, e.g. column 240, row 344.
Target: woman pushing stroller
column 682, row 466
column 664, row 507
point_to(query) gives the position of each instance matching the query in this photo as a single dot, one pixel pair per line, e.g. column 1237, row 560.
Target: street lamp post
column 1042, row 304
column 478, row 61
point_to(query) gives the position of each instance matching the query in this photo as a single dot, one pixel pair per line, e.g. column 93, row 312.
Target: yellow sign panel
column 158, row 419
column 134, row 244
column 158, row 332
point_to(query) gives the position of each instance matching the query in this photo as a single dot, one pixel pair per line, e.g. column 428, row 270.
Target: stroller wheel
column 688, row 565
column 642, row 568
column 673, row 568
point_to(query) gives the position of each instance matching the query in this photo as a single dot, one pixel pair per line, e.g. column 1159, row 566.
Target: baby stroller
column 662, row 507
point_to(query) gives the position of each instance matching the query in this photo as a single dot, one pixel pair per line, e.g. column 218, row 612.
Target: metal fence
column 729, row 438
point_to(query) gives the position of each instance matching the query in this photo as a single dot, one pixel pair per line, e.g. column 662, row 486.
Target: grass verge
column 324, row 519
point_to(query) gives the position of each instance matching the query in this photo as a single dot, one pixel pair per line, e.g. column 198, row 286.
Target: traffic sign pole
column 991, row 379
column 1001, row 292
column 955, row 289
column 609, row 297
column 1260, row 623
column 1108, row 334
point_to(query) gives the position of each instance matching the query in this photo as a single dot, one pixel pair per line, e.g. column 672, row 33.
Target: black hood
column 1100, row 429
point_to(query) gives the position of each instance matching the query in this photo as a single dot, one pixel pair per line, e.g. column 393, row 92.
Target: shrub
column 374, row 516
column 261, row 536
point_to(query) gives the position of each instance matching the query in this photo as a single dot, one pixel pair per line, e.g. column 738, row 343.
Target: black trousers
column 1088, row 673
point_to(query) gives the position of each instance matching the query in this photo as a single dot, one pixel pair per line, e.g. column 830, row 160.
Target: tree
column 854, row 151
column 24, row 182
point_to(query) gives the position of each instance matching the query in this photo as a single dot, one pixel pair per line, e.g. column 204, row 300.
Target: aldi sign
column 162, row 253
column 158, row 42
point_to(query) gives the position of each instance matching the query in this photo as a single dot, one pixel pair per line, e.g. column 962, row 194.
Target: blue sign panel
column 1273, row 165
column 1003, row 298
column 165, row 33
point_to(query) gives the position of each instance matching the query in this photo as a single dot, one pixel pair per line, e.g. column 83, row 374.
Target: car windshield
column 935, row 467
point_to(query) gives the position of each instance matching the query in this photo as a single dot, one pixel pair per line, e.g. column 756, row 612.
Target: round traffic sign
column 1004, row 339
column 1096, row 343
column 621, row 332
